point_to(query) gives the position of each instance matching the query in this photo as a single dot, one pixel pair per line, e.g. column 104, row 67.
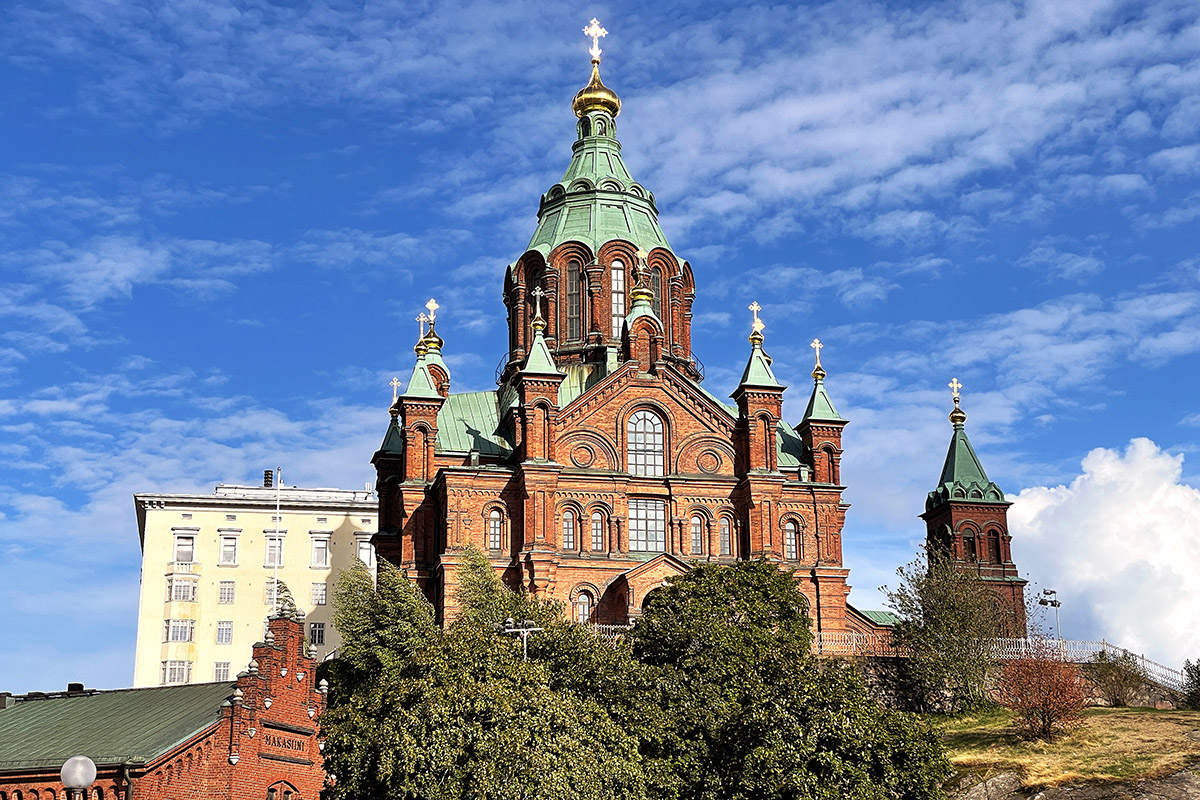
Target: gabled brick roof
column 109, row 727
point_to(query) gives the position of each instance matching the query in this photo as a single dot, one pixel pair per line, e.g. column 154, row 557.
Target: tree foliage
column 949, row 621
column 1191, row 684
column 1119, row 678
column 714, row 694
column 1044, row 690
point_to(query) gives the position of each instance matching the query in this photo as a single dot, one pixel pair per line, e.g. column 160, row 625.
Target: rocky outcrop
column 1183, row 785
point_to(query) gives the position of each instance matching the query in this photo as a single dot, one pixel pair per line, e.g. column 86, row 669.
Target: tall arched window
column 726, row 536
column 645, row 444
column 994, row 547
column 697, row 533
column 597, row 531
column 656, row 286
column 791, row 540
column 568, row 530
column 574, row 301
column 618, row 298
column 495, row 529
column 969, row 545
column 583, row 608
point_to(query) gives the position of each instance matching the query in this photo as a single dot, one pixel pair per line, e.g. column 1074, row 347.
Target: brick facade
column 263, row 744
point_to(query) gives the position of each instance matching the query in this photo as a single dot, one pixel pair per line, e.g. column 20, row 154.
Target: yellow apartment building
column 208, row 566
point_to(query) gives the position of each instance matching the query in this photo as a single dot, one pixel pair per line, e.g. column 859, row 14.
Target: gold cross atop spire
column 538, row 293
column 433, row 307
column 816, row 345
column 957, row 416
column 954, row 387
column 395, row 384
column 596, row 33
column 421, row 320
column 758, row 323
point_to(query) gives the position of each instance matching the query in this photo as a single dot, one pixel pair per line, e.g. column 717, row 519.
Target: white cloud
column 1119, row 544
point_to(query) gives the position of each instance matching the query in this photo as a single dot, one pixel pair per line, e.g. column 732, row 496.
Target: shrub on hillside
column 1118, row 677
column 1044, row 690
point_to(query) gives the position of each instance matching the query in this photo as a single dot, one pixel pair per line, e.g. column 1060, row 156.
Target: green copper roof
column 820, row 407
column 539, row 361
column 963, row 477
column 393, row 440
column 758, row 370
column 885, row 618
column 420, row 384
column 113, row 727
column 597, row 201
column 471, row 421
column 642, row 307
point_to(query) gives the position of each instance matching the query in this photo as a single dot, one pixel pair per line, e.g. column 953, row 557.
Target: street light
column 77, row 775
column 1050, row 598
column 523, row 629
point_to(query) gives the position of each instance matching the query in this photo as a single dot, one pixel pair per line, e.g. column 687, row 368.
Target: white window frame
column 179, row 631
column 585, row 607
column 726, row 534
column 568, row 529
column 791, row 547
column 647, row 525
column 227, row 536
column 175, row 672
column 269, row 538
column 697, row 530
column 221, row 671
column 495, row 529
column 225, row 626
column 597, row 532
column 319, row 594
column 174, row 586
column 617, row 272
column 320, row 543
column 180, row 538
column 360, row 542
column 221, row 587
column 645, row 443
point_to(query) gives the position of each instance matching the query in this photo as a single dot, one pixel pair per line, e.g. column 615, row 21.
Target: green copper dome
column 963, row 477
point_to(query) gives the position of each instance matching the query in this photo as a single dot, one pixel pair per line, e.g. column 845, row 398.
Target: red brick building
column 601, row 465
column 253, row 739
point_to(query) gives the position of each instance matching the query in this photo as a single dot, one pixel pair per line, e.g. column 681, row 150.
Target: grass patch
column 1111, row 745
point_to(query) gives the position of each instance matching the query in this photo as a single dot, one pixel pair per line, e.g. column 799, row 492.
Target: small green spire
column 539, row 361
column 820, row 406
column 963, row 476
column 758, row 372
column 421, row 383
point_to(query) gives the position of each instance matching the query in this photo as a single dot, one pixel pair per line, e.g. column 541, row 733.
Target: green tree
column 949, row 621
column 752, row 714
column 1119, row 678
column 1191, row 684
column 415, row 712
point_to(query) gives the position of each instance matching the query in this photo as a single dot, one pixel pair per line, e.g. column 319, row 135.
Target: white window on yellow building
column 181, row 590
column 179, row 630
column 319, row 591
column 225, row 632
column 366, row 552
column 320, row 552
column 225, row 592
column 221, row 671
column 176, row 672
column 229, row 550
column 274, row 552
column 185, row 548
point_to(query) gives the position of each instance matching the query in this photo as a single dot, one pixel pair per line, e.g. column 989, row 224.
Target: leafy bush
column 1118, row 677
column 1044, row 690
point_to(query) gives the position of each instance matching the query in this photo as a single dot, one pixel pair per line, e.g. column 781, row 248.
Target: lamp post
column 1050, row 598
column 523, row 629
column 77, row 775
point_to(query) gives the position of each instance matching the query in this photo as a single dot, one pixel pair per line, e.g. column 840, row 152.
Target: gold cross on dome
column 433, row 307
column 816, row 346
column 538, row 294
column 395, row 384
column 641, row 255
column 421, row 320
column 954, row 387
column 758, row 323
column 596, row 32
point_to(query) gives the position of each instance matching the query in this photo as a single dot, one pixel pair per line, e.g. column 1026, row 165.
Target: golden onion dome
column 596, row 96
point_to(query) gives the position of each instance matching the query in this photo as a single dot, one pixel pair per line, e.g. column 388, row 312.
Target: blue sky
column 218, row 221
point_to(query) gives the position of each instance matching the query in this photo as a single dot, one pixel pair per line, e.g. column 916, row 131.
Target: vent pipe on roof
column 268, row 478
column 74, row 687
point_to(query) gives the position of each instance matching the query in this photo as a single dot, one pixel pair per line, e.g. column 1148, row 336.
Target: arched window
column 969, row 545
column 697, row 533
column 656, row 287
column 597, row 531
column 791, row 541
column 583, row 608
column 495, row 529
column 994, row 547
column 645, row 444
column 585, row 127
column 726, row 536
column 568, row 530
column 618, row 298
column 574, row 301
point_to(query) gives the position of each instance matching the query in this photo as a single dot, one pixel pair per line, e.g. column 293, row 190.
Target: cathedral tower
column 967, row 519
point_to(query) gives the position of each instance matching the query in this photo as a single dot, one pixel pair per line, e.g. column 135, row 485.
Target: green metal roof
column 963, row 477
column 393, row 440
column 420, row 384
column 820, row 406
column 758, row 370
column 884, row 618
column 597, row 201
column 539, row 361
column 471, row 421
column 109, row 727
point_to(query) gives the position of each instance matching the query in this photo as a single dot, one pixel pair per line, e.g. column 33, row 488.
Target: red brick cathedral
column 601, row 466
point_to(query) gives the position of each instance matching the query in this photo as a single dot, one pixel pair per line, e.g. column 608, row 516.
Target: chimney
column 5, row 699
column 73, row 687
column 268, row 478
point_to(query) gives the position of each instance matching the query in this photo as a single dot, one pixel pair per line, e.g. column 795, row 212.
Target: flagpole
column 275, row 578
